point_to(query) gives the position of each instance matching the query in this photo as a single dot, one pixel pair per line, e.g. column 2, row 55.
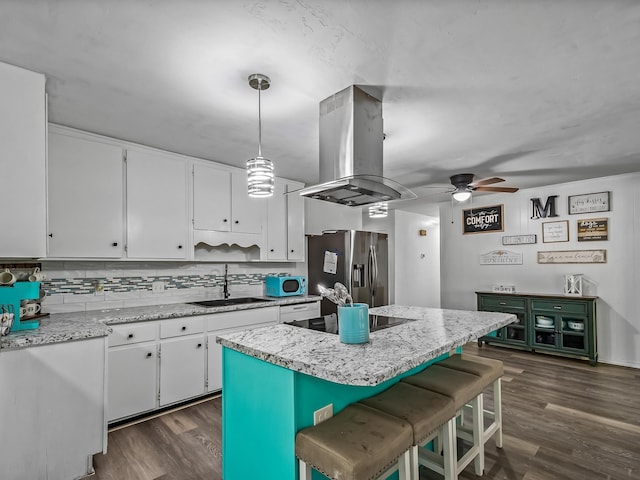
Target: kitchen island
column 274, row 378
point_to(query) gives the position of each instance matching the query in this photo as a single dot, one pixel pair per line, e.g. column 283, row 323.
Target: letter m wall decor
column 549, row 209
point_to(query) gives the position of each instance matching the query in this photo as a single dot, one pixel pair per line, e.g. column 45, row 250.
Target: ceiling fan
column 464, row 185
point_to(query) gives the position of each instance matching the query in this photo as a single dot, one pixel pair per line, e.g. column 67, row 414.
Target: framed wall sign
column 555, row 231
column 483, row 219
column 501, row 257
column 519, row 239
column 573, row 256
column 593, row 229
column 590, row 203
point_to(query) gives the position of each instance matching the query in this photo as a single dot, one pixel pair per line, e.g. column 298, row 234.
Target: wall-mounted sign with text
column 519, row 239
column 593, row 229
column 573, row 256
column 590, row 203
column 501, row 257
column 483, row 219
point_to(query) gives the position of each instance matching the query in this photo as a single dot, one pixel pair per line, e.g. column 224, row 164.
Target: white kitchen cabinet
column 157, row 210
column 214, row 362
column 182, row 364
column 299, row 311
column 22, row 163
column 285, row 227
column 85, row 198
column 52, row 413
column 295, row 224
column 221, row 202
column 133, row 376
column 277, row 222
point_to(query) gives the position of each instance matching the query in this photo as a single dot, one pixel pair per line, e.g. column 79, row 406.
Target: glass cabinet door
column 573, row 336
column 517, row 331
column 544, row 330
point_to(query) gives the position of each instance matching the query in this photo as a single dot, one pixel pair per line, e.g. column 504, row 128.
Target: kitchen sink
column 229, row 302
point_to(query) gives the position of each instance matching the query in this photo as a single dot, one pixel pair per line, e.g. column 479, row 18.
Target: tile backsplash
column 73, row 286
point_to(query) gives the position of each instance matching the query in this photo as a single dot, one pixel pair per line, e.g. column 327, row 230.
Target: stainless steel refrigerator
column 358, row 260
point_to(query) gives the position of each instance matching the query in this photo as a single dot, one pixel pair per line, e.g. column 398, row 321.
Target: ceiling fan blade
column 486, row 181
column 496, row 189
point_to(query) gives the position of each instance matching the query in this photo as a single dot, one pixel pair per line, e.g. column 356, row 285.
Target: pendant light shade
column 260, row 174
column 379, row 210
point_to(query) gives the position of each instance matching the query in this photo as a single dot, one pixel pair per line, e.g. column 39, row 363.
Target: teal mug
column 353, row 323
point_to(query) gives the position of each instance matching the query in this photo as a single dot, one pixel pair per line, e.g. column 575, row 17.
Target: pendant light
column 260, row 176
column 379, row 210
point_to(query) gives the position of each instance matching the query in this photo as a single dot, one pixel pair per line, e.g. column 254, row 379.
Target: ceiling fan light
column 462, row 195
column 379, row 210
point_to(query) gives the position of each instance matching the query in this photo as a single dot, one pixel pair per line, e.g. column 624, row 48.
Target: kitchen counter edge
column 64, row 327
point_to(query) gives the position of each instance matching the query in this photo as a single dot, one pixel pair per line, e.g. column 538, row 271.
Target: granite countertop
column 389, row 353
column 62, row 327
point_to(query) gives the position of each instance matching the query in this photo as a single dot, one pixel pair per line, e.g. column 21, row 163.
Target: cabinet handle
column 291, row 250
column 299, row 308
column 236, row 221
column 199, row 345
column 558, row 307
column 51, row 235
column 225, row 220
column 130, row 336
column 271, row 250
column 114, row 244
column 179, row 247
column 183, row 328
column 503, row 303
column 149, row 354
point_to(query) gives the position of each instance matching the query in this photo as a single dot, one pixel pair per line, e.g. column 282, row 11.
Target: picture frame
column 483, row 219
column 593, row 229
column 519, row 239
column 572, row 256
column 589, row 203
column 554, row 232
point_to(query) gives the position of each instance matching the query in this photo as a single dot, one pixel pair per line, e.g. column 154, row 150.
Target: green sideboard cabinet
column 559, row 324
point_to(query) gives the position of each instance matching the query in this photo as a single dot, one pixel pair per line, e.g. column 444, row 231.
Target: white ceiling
column 537, row 92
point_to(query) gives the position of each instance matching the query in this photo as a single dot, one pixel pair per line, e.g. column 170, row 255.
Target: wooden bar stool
column 359, row 443
column 429, row 414
column 490, row 371
column 462, row 388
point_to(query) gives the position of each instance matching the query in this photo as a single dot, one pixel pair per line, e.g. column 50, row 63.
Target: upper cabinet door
column 157, row 212
column 22, row 163
column 211, row 198
column 277, row 223
column 295, row 224
column 248, row 214
column 86, row 214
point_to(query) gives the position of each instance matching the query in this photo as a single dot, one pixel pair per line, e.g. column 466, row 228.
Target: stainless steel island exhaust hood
column 351, row 152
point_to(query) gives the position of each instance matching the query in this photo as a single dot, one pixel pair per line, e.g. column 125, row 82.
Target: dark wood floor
column 563, row 420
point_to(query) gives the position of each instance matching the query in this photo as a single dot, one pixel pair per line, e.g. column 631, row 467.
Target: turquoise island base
column 274, row 378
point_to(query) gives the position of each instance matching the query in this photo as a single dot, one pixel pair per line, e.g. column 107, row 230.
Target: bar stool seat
column 429, row 414
column 359, row 443
column 462, row 388
column 490, row 371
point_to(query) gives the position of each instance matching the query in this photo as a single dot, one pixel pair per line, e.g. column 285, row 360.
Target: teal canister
column 353, row 323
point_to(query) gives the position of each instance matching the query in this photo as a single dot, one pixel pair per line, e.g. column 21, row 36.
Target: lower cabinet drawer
column 242, row 318
column 561, row 306
column 126, row 334
column 499, row 302
column 300, row 311
column 181, row 326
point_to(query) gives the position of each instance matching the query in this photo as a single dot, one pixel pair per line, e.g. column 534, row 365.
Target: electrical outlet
column 157, row 286
column 323, row 414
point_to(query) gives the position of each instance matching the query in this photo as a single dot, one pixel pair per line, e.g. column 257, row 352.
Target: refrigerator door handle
column 373, row 273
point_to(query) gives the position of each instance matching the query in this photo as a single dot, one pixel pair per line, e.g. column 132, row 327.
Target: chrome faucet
column 225, row 287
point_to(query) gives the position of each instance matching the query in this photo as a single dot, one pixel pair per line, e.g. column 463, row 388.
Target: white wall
column 414, row 261
column 320, row 215
column 617, row 282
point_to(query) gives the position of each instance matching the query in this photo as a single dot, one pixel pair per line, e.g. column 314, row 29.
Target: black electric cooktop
column 329, row 323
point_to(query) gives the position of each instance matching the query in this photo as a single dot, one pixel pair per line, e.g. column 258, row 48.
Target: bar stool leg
column 415, row 463
column 305, row 470
column 497, row 409
column 478, row 433
column 449, row 446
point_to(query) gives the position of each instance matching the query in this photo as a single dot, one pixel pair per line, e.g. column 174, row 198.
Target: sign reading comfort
column 482, row 220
